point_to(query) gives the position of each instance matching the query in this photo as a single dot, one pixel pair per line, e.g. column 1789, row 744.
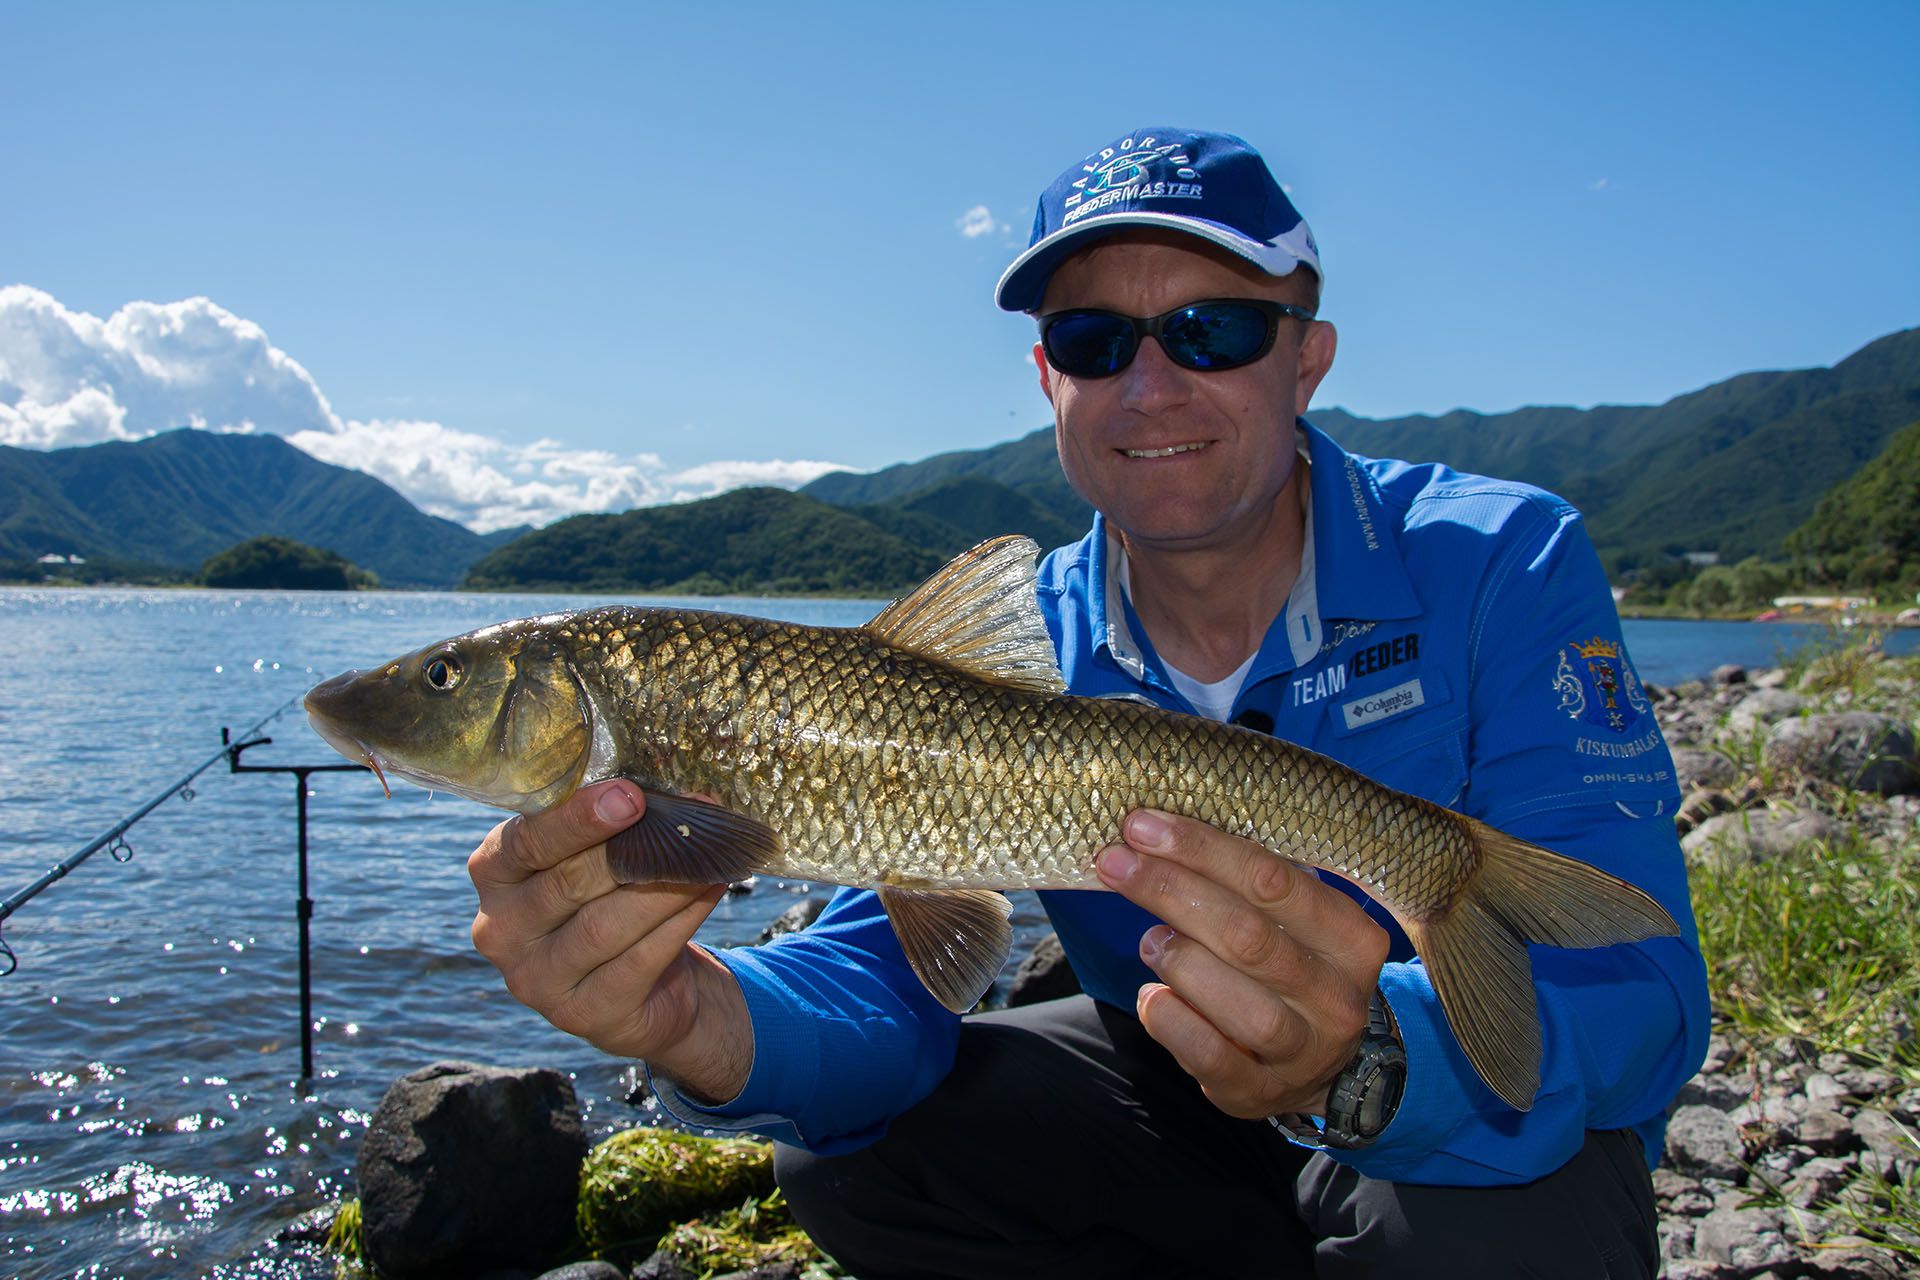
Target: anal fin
column 680, row 840
column 955, row 939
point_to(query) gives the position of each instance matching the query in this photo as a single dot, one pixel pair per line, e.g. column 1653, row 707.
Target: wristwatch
column 1365, row 1096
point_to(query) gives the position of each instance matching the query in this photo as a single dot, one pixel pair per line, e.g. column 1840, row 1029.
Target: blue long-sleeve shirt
column 1449, row 635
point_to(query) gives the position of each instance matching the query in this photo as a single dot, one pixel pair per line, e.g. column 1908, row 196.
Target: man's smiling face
column 1177, row 458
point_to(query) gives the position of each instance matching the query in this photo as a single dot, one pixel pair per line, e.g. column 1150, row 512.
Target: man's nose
column 1152, row 383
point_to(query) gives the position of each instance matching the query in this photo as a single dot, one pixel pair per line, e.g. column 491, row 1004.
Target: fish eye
column 442, row 671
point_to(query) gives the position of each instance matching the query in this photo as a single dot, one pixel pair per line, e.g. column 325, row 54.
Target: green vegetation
column 759, row 1233
column 174, row 499
column 749, row 540
column 1865, row 533
column 347, row 1242
column 638, row 1185
column 1812, row 953
column 285, row 565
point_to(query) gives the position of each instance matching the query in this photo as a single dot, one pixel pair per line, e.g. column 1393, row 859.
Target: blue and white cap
column 1212, row 185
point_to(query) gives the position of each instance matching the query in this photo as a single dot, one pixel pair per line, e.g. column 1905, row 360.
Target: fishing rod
column 114, row 838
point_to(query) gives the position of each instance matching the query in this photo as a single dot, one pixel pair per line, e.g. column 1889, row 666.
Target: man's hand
column 1265, row 973
column 611, row 963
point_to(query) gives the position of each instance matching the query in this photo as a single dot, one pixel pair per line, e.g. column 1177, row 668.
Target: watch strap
column 1364, row 1097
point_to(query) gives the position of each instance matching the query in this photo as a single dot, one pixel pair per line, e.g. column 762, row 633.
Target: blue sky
column 658, row 237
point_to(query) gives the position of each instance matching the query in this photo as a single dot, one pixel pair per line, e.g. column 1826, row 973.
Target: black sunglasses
column 1216, row 333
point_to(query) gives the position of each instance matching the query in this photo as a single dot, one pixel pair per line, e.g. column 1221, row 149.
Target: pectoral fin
column 955, row 939
column 680, row 840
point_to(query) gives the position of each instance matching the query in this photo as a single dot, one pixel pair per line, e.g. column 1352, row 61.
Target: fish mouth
column 1168, row 451
column 348, row 745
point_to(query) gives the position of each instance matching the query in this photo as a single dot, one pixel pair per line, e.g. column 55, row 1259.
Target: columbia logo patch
column 1383, row 704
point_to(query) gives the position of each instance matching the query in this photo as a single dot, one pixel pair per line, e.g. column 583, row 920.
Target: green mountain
column 748, row 540
column 1028, row 465
column 1866, row 531
column 177, row 498
column 1733, row 467
column 956, row 513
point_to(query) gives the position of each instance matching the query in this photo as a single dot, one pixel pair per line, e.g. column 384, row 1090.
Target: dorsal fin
column 979, row 614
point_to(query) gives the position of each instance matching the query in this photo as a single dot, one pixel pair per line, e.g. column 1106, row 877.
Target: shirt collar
column 1350, row 565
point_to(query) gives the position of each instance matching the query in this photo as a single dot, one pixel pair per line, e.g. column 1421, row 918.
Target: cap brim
column 1024, row 283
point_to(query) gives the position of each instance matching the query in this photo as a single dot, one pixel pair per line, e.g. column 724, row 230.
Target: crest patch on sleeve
column 1596, row 685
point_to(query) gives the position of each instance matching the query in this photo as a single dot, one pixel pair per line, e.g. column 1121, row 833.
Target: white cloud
column 69, row 378
column 1600, row 184
column 977, row 221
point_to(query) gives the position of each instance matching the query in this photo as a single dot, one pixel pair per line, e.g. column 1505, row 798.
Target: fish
column 935, row 756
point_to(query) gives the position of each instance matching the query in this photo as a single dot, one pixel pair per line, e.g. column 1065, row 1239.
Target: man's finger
column 1233, row 1081
column 616, row 922
column 1245, row 1010
column 524, row 846
column 639, row 967
column 1318, row 916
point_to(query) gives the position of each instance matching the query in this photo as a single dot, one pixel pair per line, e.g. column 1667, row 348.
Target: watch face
column 1380, row 1098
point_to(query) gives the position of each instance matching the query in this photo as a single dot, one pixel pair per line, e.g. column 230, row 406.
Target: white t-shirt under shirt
column 1215, row 699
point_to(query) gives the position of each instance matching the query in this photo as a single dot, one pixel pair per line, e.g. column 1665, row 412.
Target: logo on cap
column 1127, row 171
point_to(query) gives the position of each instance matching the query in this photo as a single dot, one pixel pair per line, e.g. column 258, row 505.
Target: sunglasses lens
column 1215, row 335
column 1089, row 344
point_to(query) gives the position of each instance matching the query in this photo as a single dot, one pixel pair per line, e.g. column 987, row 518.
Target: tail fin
column 1476, row 951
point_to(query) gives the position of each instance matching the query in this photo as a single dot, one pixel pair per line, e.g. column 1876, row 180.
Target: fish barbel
column 934, row 756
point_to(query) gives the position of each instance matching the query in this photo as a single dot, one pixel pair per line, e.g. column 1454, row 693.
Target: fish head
column 497, row 715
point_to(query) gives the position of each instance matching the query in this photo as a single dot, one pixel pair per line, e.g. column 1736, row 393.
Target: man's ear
column 1046, row 371
column 1316, row 357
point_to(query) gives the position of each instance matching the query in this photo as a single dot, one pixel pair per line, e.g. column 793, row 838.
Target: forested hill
column 749, row 540
column 174, row 499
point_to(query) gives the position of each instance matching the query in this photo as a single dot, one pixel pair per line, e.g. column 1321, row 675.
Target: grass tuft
column 1817, row 949
column 756, row 1234
column 638, row 1184
column 346, row 1241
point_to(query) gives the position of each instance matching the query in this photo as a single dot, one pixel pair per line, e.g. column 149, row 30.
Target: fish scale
column 1001, row 788
column 934, row 756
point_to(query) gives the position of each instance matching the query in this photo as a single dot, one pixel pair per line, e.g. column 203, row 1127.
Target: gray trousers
column 1066, row 1142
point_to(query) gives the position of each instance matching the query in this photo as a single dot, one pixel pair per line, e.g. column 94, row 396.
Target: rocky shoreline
column 1777, row 1152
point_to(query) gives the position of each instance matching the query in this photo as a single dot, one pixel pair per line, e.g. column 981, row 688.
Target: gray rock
column 665, row 1266
column 585, row 1271
column 1676, row 1241
column 465, row 1168
column 794, row 918
column 1700, row 804
column 1771, row 678
column 1852, row 1264
column 311, row 1227
column 1824, row 1086
column 1696, row 766
column 1702, row 1141
column 1043, row 975
column 1729, row 673
column 1667, row 1184
column 1751, row 1239
column 1818, row 1181
column 1890, row 1143
column 1723, row 1093
column 1765, row 707
column 1857, row 749
column 1759, row 835
column 1699, row 1269
column 1826, row 1131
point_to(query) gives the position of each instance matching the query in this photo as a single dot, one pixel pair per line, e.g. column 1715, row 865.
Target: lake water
column 151, row 1119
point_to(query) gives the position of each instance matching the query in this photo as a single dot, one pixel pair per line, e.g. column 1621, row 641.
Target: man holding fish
column 1263, row 1079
